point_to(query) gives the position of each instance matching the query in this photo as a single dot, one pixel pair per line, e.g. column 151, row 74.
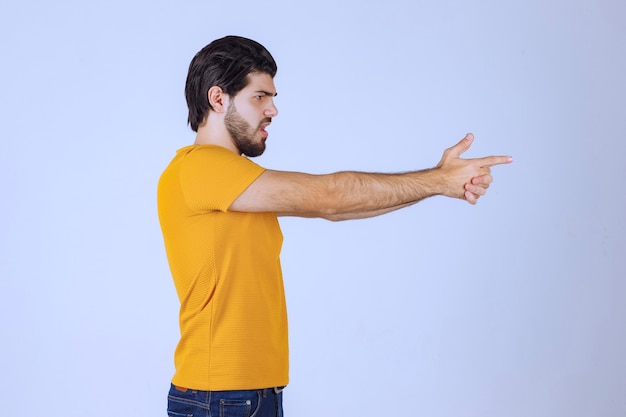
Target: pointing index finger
column 495, row 160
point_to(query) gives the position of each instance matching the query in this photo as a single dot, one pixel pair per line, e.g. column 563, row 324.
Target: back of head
column 225, row 63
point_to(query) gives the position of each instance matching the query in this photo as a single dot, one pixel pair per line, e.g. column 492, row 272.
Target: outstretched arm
column 345, row 195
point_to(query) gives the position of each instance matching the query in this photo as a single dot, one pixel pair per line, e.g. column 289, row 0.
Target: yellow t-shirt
column 226, row 269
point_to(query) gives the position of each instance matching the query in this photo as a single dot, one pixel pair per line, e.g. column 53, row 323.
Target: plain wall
column 514, row 307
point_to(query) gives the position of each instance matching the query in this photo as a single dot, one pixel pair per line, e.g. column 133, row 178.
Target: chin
column 251, row 153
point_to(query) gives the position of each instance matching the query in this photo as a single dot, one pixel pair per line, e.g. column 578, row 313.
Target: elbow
column 325, row 199
column 333, row 217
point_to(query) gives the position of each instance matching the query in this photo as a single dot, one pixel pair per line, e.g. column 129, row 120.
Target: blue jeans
column 266, row 402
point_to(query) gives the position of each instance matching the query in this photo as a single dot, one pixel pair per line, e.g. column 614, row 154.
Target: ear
column 218, row 100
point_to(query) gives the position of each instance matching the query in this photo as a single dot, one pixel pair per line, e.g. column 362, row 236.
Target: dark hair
column 226, row 63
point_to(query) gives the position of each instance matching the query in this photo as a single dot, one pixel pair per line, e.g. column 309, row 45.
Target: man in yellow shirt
column 218, row 213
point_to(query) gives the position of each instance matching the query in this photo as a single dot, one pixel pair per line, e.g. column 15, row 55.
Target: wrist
column 434, row 181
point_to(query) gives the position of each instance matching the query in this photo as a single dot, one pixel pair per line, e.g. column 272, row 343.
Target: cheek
column 249, row 113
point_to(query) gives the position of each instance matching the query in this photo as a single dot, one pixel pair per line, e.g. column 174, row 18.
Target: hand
column 467, row 179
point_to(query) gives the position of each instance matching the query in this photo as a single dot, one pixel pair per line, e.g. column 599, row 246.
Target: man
column 218, row 212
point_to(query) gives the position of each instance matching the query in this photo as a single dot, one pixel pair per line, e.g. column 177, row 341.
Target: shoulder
column 216, row 154
column 214, row 163
column 205, row 151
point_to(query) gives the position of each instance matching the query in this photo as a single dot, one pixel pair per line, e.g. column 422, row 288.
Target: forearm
column 359, row 195
column 365, row 214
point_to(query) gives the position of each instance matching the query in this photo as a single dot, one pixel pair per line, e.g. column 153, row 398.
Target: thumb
column 458, row 149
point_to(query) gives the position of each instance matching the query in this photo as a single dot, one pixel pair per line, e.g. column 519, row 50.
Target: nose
column 271, row 110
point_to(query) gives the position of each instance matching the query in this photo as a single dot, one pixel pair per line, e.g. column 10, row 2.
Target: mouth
column 263, row 125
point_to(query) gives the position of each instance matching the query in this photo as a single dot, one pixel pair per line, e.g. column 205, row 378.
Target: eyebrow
column 267, row 93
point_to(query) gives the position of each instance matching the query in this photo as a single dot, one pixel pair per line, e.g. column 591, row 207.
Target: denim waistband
column 276, row 390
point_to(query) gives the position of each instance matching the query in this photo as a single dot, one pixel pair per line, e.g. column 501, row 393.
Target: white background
column 514, row 307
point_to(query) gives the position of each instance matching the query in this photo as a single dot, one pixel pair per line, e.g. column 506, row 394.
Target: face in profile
column 250, row 112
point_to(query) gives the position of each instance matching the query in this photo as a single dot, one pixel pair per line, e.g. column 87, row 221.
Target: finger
column 458, row 149
column 483, row 186
column 490, row 161
column 470, row 198
column 482, row 179
column 477, row 190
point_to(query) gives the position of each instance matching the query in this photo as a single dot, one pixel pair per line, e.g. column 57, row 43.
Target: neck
column 213, row 132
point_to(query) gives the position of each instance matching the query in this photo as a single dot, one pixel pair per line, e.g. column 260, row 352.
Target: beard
column 243, row 133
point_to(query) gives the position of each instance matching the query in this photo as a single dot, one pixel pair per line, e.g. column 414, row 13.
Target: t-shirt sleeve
column 212, row 178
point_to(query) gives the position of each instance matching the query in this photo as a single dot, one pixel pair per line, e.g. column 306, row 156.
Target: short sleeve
column 212, row 177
